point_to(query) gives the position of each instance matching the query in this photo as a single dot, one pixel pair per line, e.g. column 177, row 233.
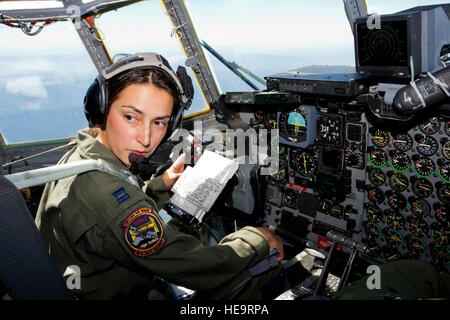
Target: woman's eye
column 130, row 117
column 161, row 123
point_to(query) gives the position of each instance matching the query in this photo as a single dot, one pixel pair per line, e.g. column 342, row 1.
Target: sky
column 265, row 36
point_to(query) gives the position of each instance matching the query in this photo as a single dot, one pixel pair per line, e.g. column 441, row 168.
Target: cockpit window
column 44, row 79
column 146, row 27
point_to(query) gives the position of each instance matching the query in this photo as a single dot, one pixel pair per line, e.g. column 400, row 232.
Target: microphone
column 143, row 167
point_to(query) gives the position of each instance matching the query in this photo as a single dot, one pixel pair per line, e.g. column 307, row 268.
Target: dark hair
column 142, row 75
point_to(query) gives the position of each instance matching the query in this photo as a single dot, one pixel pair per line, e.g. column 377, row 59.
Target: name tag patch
column 144, row 232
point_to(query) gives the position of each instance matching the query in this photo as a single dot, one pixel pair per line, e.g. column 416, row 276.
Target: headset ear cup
column 95, row 104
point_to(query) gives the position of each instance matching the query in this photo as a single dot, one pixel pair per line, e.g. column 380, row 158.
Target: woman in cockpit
column 110, row 228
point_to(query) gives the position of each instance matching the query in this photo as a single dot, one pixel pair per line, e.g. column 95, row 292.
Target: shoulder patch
column 143, row 232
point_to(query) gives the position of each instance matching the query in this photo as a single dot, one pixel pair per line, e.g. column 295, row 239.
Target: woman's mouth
column 143, row 153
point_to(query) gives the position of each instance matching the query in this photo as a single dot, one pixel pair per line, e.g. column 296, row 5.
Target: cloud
column 30, row 86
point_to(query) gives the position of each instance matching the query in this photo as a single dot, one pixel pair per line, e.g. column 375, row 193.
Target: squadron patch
column 144, row 232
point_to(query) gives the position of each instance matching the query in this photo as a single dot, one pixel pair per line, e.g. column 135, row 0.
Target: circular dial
column 444, row 172
column 424, row 167
column 303, row 163
column 447, row 128
column 400, row 161
column 270, row 120
column 440, row 233
column 290, row 199
column 377, row 177
column 402, row 142
column 446, row 150
column 293, row 126
column 374, row 194
column 378, row 158
column 417, row 226
column 394, row 219
column 330, row 130
column 280, row 175
column 380, row 138
column 419, row 207
column 373, row 213
column 416, row 246
column 426, row 145
column 422, row 187
column 395, row 200
column 443, row 193
column 354, row 156
column 372, row 230
column 431, row 126
column 393, row 238
column 440, row 254
column 441, row 213
column 398, row 182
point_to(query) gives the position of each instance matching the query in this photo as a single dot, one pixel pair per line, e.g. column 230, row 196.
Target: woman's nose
column 144, row 136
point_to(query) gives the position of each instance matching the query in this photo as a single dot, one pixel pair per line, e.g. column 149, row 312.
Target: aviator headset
column 96, row 98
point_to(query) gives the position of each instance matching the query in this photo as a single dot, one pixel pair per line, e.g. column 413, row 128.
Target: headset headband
column 147, row 59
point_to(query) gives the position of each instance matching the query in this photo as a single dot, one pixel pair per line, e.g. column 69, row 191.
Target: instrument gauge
column 431, row 126
column 443, row 193
column 380, row 138
column 270, row 120
column 398, row 182
column 374, row 194
column 373, row 213
column 444, row 172
column 293, row 126
column 419, row 207
column 424, row 167
column 426, row 145
column 373, row 231
column 396, row 201
column 417, row 226
column 378, row 158
column 354, row 156
column 303, row 163
column 393, row 238
column 402, row 142
column 400, row 161
column 280, row 175
column 441, row 213
column 446, row 150
column 440, row 233
column 422, row 187
column 291, row 199
column 330, row 130
column 377, row 177
column 447, row 128
column 394, row 219
column 416, row 246
column 440, row 254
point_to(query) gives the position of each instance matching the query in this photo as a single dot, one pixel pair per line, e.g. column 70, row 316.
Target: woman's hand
column 274, row 242
column 172, row 174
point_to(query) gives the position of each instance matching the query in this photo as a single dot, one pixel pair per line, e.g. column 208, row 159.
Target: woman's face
column 137, row 120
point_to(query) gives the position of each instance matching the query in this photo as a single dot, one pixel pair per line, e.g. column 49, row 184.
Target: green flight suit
column 112, row 231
